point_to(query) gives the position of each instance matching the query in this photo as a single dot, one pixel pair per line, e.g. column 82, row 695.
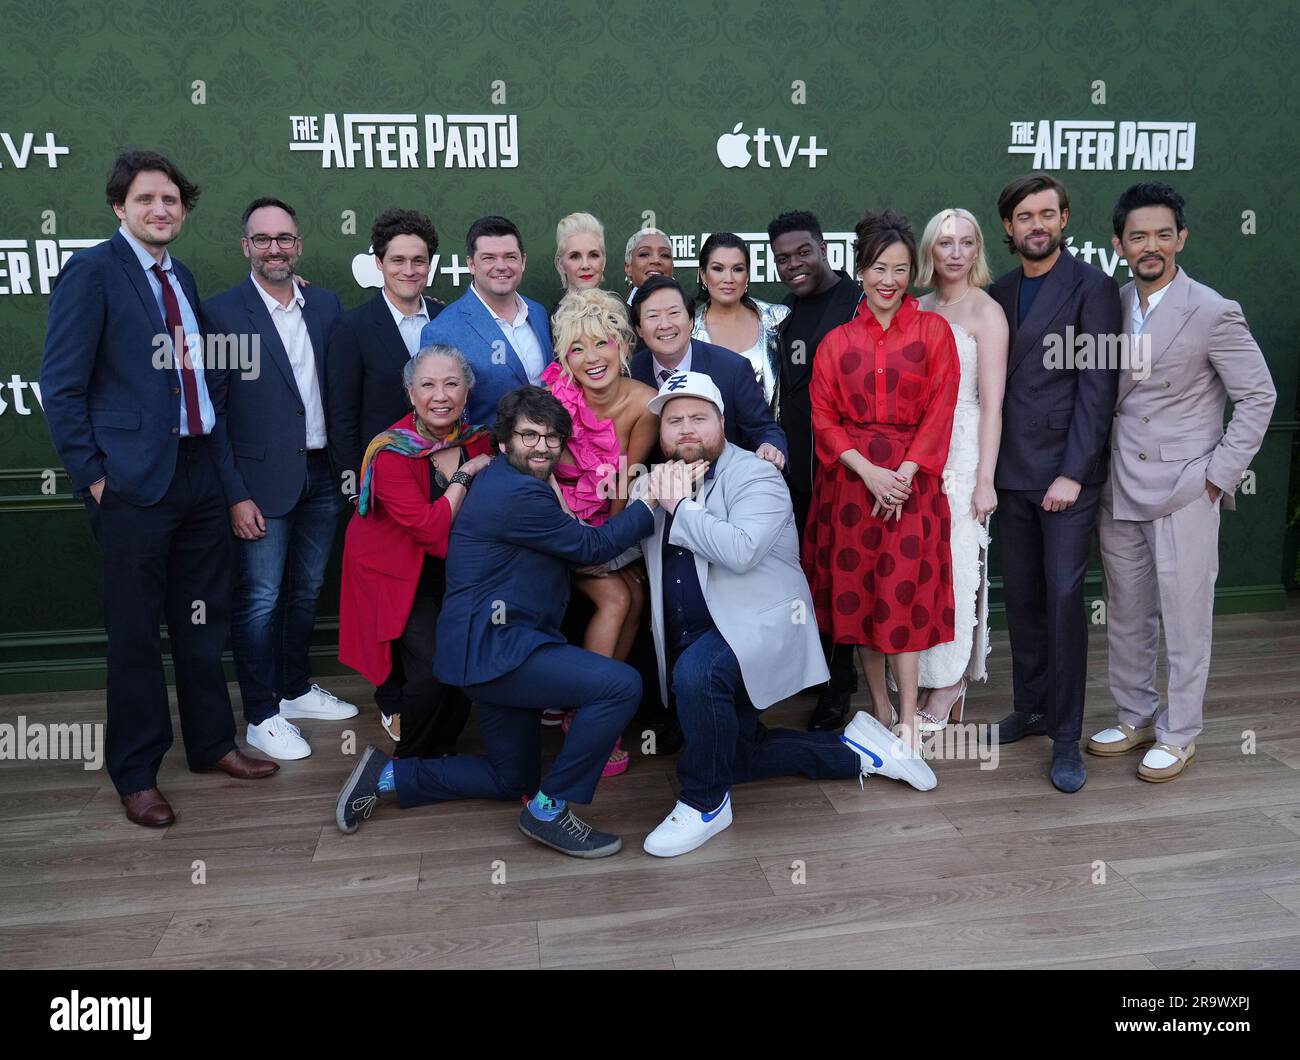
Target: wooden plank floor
column 993, row 869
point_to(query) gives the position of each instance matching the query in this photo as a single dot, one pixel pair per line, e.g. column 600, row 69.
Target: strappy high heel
column 928, row 722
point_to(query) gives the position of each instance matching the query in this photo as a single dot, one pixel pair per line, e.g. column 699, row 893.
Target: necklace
column 945, row 305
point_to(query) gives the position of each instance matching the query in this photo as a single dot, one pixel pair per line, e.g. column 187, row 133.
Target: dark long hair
column 717, row 241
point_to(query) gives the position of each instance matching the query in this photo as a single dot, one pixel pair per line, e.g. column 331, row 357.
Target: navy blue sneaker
column 569, row 835
column 360, row 795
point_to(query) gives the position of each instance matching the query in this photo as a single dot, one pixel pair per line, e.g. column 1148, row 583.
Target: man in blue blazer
column 508, row 572
column 662, row 313
column 126, row 397
column 275, row 471
column 506, row 336
column 371, row 344
column 1056, row 420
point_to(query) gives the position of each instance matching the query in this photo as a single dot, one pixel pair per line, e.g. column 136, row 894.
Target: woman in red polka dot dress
column 876, row 547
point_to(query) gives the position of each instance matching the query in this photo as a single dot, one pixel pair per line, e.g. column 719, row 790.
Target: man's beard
column 519, row 461
column 692, row 451
column 265, row 269
column 1025, row 251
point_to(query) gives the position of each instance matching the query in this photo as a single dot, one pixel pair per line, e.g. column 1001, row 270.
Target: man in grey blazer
column 732, row 621
column 1173, row 466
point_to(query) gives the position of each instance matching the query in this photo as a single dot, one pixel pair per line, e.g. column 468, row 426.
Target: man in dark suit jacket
column 126, row 398
column 505, row 336
column 821, row 299
column 372, row 343
column 1056, row 419
column 508, row 574
column 662, row 313
column 283, row 495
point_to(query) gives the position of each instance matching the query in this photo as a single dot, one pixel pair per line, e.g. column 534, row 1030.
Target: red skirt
column 887, row 585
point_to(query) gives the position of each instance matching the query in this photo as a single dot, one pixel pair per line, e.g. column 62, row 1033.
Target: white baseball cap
column 686, row 384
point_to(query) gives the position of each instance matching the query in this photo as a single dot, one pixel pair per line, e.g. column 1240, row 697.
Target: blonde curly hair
column 592, row 314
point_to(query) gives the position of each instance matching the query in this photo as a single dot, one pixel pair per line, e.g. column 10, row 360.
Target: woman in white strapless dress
column 952, row 262
column 727, row 316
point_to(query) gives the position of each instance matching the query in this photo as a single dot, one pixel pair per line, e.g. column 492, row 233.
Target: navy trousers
column 727, row 743
column 1046, row 558
column 605, row 694
column 173, row 560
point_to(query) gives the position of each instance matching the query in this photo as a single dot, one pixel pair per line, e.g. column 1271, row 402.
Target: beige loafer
column 1120, row 740
column 1165, row 761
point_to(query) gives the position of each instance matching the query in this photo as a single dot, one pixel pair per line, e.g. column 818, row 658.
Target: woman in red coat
column 414, row 478
column 876, row 548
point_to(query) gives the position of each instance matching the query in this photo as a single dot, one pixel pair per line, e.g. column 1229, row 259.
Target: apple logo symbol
column 733, row 148
column 365, row 271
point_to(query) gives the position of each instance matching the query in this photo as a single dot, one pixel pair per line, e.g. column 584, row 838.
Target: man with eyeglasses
column 277, row 477
column 508, row 570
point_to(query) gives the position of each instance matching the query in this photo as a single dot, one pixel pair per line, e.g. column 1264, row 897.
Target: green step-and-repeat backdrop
column 689, row 116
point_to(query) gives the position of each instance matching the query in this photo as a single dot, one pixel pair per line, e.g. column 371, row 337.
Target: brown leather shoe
column 238, row 765
column 148, row 808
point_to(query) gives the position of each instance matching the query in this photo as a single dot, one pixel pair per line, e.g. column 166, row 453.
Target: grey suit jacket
column 1168, row 437
column 741, row 529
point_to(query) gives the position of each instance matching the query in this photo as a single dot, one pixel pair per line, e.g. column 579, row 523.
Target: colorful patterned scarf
column 408, row 442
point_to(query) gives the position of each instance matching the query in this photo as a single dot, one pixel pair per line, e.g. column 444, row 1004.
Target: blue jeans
column 555, row 677
column 727, row 743
column 280, row 577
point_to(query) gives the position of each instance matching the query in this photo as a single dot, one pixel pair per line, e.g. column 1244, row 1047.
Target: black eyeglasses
column 284, row 242
column 530, row 438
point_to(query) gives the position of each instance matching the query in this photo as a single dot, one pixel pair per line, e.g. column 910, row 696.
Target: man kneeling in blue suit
column 498, row 638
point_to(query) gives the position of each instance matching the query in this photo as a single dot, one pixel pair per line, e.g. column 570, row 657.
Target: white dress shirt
column 409, row 326
column 659, row 369
column 291, row 326
column 1139, row 318
column 520, row 336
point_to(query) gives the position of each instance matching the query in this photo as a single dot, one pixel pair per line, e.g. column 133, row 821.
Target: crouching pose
column 733, row 625
column 499, row 639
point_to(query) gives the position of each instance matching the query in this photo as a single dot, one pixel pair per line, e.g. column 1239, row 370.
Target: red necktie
column 176, row 329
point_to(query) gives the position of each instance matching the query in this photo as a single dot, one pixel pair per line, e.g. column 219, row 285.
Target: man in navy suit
column 508, row 574
column 283, row 495
column 371, row 344
column 662, row 313
column 126, row 398
column 1056, row 420
column 505, row 336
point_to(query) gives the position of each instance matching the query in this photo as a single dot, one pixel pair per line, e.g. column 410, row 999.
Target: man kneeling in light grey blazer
column 1173, row 465
column 732, row 621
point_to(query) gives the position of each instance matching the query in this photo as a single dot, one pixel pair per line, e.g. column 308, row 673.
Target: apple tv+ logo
column 733, row 149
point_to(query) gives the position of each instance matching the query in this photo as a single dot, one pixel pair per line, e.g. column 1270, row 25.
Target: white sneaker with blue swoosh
column 880, row 751
column 687, row 828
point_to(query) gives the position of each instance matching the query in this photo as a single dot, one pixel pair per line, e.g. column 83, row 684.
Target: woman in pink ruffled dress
column 613, row 433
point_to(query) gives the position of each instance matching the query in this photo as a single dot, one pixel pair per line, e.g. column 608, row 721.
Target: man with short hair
column 372, row 343
column 283, row 494
column 126, row 397
column 662, row 312
column 732, row 619
column 509, row 565
column 821, row 299
column 1173, row 466
column 1056, row 418
column 505, row 336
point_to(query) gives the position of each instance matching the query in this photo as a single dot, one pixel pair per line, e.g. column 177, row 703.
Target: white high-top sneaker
column 687, row 828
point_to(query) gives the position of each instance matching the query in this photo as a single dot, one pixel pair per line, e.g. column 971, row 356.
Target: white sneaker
column 277, row 738
column 880, row 751
column 687, row 828
column 317, row 703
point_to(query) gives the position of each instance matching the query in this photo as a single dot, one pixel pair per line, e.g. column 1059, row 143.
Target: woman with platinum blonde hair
column 649, row 253
column 580, row 252
column 952, row 262
column 613, row 433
